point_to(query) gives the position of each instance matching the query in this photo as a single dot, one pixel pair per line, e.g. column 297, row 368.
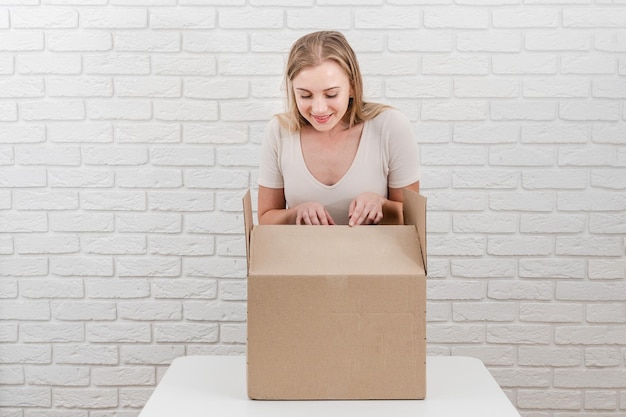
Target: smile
column 322, row 119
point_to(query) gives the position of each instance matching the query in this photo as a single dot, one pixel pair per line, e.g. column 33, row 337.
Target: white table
column 204, row 386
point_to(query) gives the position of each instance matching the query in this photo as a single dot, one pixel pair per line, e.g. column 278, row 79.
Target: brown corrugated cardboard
column 337, row 312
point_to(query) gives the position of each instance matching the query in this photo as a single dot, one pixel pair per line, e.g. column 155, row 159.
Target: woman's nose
column 319, row 105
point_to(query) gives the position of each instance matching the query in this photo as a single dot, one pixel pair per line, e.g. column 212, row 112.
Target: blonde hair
column 312, row 50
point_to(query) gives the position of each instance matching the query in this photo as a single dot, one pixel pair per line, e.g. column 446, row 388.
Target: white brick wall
column 129, row 130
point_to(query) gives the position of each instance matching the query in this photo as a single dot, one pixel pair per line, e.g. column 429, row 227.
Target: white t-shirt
column 387, row 156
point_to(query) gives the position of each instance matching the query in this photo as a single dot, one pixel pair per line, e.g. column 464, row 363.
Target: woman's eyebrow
column 326, row 89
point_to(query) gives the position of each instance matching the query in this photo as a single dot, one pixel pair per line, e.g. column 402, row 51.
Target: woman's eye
column 333, row 96
column 305, row 97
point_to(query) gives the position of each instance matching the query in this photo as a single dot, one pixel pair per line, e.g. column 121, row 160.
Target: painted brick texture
column 130, row 129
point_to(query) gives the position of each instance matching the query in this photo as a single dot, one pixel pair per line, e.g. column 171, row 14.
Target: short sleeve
column 270, row 172
column 402, row 150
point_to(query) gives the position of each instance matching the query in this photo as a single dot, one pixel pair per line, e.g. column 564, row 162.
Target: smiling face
column 322, row 94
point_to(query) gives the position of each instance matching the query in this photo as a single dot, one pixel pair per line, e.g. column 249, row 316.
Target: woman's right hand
column 313, row 213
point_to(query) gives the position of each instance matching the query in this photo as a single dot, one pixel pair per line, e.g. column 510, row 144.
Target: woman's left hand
column 366, row 208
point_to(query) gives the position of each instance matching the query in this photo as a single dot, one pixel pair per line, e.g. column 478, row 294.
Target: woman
column 333, row 158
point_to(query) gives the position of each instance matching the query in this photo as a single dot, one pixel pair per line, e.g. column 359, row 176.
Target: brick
column 551, row 313
column 457, row 201
column 606, row 269
column 49, row 110
column 454, row 333
column 115, row 201
column 134, row 397
column 148, row 267
column 608, row 178
column 483, row 268
column 249, row 18
column 552, row 223
column 12, row 375
column 184, row 65
column 526, row 110
column 8, row 333
column 114, row 64
column 213, row 223
column 48, row 18
column 552, row 268
column 584, row 18
column 455, row 19
column 215, row 133
column 479, row 223
column 80, row 178
column 220, row 42
column 558, row 41
column 58, row 155
column 477, row 87
column 148, row 133
column 151, row 355
column 521, row 156
column 23, row 222
column 92, row 398
column 83, row 311
column 591, row 291
column 144, row 311
column 180, row 201
column 51, row 288
column 29, row 133
column 607, row 223
column 73, row 133
column 186, row 332
column 23, row 267
column 590, row 378
column 589, row 111
column 26, row 354
column 602, row 357
column 81, row 40
column 489, row 355
column 591, row 201
column 114, row 245
column 186, row 111
column 484, row 311
column 58, row 375
column 22, row 88
column 117, row 289
column 486, row 42
column 86, row 354
column 52, row 333
column 93, row 155
column 150, row 178
column 153, row 41
column 535, row 17
column 215, row 311
column 27, row 40
column 8, row 288
column 524, row 63
column 49, row 65
column 587, row 156
column 319, row 19
column 522, row 378
column 182, row 246
column 233, row 291
column 82, row 266
column 455, row 290
column 187, row 289
column 114, row 18
column 489, row 134
column 25, row 397
column 589, row 335
column 119, row 333
column 549, row 356
column 546, row 179
column 549, row 399
column 519, row 334
column 454, row 65
column 185, row 18
column 589, row 246
column 215, row 268
column 25, row 310
column 420, row 41
column 119, row 376
column 516, row 290
column 149, row 223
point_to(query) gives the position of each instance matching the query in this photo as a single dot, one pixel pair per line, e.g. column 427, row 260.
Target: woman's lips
column 322, row 119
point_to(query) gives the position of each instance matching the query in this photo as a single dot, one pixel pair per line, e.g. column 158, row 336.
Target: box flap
column 248, row 222
column 414, row 211
column 335, row 250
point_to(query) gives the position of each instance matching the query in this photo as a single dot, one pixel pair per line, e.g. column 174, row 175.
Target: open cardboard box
column 337, row 312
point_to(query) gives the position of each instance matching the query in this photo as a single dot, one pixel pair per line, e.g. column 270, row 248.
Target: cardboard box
column 337, row 312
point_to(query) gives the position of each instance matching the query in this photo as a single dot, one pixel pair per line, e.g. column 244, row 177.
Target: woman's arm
column 370, row 208
column 272, row 209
